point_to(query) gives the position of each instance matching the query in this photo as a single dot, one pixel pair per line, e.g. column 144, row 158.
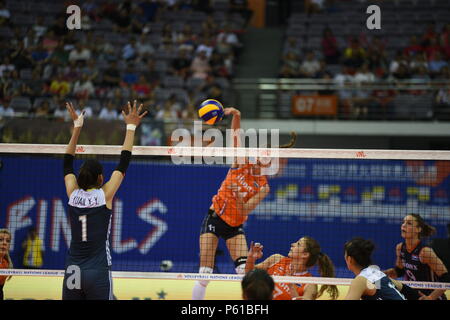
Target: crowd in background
column 147, row 50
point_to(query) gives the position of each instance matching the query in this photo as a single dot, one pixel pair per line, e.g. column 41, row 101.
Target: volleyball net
column 329, row 195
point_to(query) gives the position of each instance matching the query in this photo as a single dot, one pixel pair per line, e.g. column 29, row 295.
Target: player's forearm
column 250, row 264
column 251, row 204
column 436, row 293
column 129, row 140
column 70, row 149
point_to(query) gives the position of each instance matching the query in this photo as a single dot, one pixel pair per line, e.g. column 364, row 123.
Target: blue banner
column 159, row 208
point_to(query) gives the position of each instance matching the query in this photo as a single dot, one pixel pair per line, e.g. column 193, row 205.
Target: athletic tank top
column 416, row 270
column 385, row 288
column 90, row 223
column 224, row 201
column 282, row 291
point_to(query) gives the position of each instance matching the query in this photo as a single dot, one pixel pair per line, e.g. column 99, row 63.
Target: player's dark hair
column 326, row 266
column 426, row 229
column 89, row 173
column 360, row 250
column 257, row 284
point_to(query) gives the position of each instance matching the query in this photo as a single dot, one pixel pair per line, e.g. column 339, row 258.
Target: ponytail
column 326, row 266
column 426, row 229
column 326, row 269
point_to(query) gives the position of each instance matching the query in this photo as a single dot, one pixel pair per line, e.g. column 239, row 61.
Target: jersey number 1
column 83, row 220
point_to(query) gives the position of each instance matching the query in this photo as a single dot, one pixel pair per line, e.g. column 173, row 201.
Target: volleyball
column 211, row 111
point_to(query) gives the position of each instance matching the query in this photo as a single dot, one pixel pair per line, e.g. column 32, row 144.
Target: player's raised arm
column 132, row 118
column 70, row 179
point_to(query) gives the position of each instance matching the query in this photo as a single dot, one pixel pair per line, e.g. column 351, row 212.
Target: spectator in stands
column 72, row 72
column 400, row 60
column 6, row 66
column 330, row 47
column 314, row 6
column 291, row 64
column 59, row 85
column 445, row 41
column 109, row 111
column 381, row 105
column 39, row 27
column 104, row 50
column 44, row 110
column 436, row 64
column 91, row 69
column 414, row 47
column 200, row 67
column 362, row 97
column 6, row 110
column 187, row 39
column 206, row 45
column 354, row 55
column 218, row 67
column 130, row 76
column 418, row 61
column 122, row 21
column 344, row 80
column 39, row 54
column 241, row 7
column 142, row 88
column 83, row 104
column 430, row 33
column 30, row 39
column 144, row 48
column 5, row 15
column 432, row 49
column 212, row 89
column 36, row 84
column 293, row 46
column 59, row 27
column 83, row 87
column 180, row 65
column 60, row 110
column 310, row 66
column 230, row 38
column 442, row 103
column 210, row 24
column 169, row 112
column 111, row 76
column 21, row 57
column 49, row 41
column 129, row 51
column 80, row 53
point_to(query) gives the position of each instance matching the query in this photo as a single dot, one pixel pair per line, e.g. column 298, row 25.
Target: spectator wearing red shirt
column 413, row 48
column 142, row 88
column 445, row 40
column 330, row 47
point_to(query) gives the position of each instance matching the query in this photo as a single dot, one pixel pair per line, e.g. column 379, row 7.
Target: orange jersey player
column 239, row 186
column 304, row 254
column 240, row 193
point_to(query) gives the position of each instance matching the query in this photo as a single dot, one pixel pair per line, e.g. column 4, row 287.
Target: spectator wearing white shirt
column 108, row 112
column 310, row 66
column 80, row 53
column 6, row 67
column 206, row 46
column 83, row 87
column 6, row 111
column 143, row 47
column 5, row 15
column 363, row 97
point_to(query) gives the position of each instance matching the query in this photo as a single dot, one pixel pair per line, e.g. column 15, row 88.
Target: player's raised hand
column 133, row 114
column 255, row 251
column 77, row 119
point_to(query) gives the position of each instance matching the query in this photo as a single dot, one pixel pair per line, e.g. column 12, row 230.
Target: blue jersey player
column 88, row 264
column 370, row 283
column 417, row 261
